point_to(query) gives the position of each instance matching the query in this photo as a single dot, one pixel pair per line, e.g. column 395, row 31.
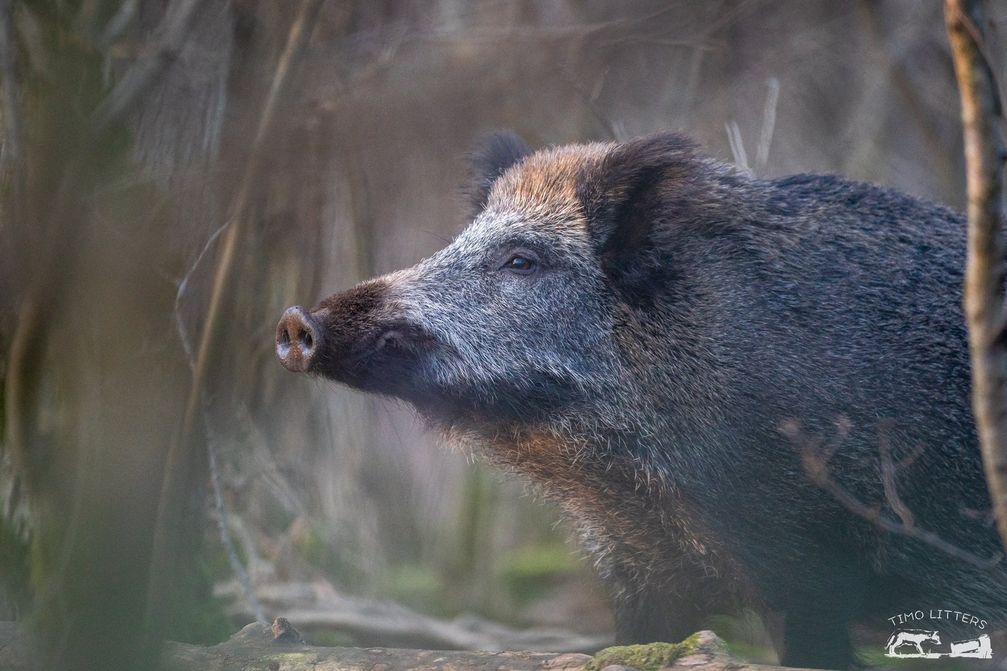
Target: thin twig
column 223, row 523
column 816, row 467
column 220, row 506
column 613, row 129
column 768, row 125
column 183, row 285
column 888, row 471
column 737, row 145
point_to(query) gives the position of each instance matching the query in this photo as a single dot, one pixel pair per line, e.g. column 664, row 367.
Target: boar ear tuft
column 493, row 154
column 620, row 191
column 629, row 190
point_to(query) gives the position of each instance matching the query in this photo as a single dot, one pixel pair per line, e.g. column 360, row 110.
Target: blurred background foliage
column 176, row 172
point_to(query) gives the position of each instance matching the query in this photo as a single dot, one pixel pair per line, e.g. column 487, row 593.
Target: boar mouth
column 382, row 361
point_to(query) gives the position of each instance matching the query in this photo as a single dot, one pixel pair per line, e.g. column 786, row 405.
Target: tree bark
column 982, row 117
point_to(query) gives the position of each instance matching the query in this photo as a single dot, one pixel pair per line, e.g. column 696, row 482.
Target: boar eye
column 520, row 265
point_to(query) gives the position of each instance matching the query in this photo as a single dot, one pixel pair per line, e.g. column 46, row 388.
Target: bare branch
column 318, row 607
column 768, row 125
column 183, row 285
column 982, row 118
column 223, row 524
column 220, row 506
column 737, row 146
column 816, row 467
column 613, row 129
column 888, row 470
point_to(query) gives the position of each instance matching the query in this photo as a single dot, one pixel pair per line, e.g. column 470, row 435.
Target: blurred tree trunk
column 96, row 373
column 982, row 115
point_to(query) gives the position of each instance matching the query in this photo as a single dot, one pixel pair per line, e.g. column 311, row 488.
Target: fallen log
column 279, row 648
column 318, row 608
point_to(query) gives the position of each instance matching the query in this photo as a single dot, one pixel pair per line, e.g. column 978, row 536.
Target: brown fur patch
column 544, row 185
column 570, row 474
column 657, row 532
column 347, row 314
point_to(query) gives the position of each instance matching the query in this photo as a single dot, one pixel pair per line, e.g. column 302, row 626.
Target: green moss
column 650, row 657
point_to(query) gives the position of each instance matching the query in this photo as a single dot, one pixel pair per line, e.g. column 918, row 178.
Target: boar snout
column 298, row 339
column 358, row 337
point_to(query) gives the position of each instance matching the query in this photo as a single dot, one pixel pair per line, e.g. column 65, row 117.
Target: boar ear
column 629, row 190
column 493, row 154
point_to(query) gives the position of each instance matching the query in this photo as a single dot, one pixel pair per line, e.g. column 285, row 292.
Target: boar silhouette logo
column 909, row 643
column 921, row 643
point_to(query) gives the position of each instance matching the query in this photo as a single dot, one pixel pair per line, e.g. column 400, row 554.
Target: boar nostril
column 296, row 338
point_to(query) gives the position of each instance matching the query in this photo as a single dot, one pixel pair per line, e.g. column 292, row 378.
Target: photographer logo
column 911, row 639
